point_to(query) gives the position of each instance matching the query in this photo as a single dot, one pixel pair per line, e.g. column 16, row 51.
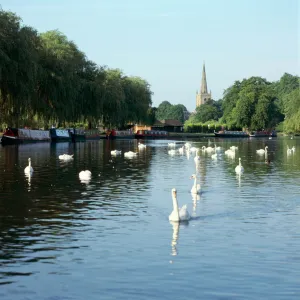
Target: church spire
column 203, row 82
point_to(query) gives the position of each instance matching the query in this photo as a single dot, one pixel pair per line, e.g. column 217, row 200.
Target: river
column 110, row 238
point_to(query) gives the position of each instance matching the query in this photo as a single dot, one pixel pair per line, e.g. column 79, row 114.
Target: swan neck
column 175, row 206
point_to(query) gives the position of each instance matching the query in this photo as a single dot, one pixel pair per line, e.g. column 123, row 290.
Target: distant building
column 203, row 94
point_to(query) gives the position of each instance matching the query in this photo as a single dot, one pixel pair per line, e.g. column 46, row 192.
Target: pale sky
column 166, row 41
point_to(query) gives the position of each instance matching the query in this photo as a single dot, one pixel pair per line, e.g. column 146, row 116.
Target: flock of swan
column 181, row 214
column 85, row 175
column 178, row 214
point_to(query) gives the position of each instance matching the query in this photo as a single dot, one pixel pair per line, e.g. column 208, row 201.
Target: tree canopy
column 45, row 78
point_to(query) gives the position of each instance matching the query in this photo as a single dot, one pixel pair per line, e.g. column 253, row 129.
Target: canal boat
column 120, row 134
column 229, row 133
column 264, row 133
column 23, row 135
column 151, row 134
column 60, row 135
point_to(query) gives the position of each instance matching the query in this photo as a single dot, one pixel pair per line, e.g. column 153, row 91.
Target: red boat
column 119, row 134
column 23, row 135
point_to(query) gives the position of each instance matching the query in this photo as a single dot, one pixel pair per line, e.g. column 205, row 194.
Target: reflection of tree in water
column 56, row 206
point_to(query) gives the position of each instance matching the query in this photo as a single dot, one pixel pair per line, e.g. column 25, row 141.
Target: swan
column 196, row 187
column 208, row 149
column 115, row 152
column 230, row 152
column 28, row 170
column 193, row 149
column 172, row 152
column 289, row 151
column 262, row 151
column 130, row 154
column 187, row 145
column 85, row 175
column 141, row 146
column 181, row 150
column 197, row 157
column 234, row 148
column 214, row 156
column 239, row 168
column 178, row 214
column 65, row 156
column 217, row 148
column 172, row 144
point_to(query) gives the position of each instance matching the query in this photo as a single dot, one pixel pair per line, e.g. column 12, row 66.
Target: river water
column 110, row 238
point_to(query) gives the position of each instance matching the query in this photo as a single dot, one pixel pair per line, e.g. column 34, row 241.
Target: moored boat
column 263, row 133
column 120, row 134
column 151, row 134
column 77, row 134
column 229, row 133
column 22, row 135
column 60, row 135
column 92, row 134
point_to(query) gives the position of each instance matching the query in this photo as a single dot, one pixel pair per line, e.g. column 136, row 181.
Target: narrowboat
column 22, row 135
column 228, row 133
column 77, row 134
column 60, row 135
column 151, row 134
column 263, row 133
column 92, row 134
column 120, row 134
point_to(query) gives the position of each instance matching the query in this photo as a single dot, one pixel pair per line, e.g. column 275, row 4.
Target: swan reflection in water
column 195, row 197
column 28, row 177
column 175, row 235
column 238, row 177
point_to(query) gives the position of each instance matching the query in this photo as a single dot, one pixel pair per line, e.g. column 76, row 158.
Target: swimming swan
column 178, row 214
column 196, row 187
column 85, row 175
column 262, row 151
column 66, row 157
column 115, row 152
column 141, row 146
column 28, row 170
column 239, row 168
column 130, row 154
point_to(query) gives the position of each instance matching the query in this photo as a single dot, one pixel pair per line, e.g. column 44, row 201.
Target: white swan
column 28, row 170
column 239, row 168
column 65, row 156
column 187, row 145
column 172, row 152
column 234, row 148
column 197, row 157
column 115, row 152
column 85, row 175
column 230, row 152
column 130, row 154
column 214, row 156
column 208, row 149
column 178, row 214
column 141, row 146
column 289, row 151
column 193, row 149
column 262, row 151
column 181, row 150
column 172, row 144
column 196, row 187
column 217, row 148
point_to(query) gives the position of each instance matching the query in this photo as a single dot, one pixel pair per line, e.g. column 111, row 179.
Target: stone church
column 203, row 94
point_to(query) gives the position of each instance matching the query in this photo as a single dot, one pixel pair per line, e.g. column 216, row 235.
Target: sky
column 166, row 42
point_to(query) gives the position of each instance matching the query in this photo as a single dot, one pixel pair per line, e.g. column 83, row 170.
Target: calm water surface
column 111, row 238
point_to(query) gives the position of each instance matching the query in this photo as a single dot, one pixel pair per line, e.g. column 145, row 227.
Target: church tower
column 203, row 94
